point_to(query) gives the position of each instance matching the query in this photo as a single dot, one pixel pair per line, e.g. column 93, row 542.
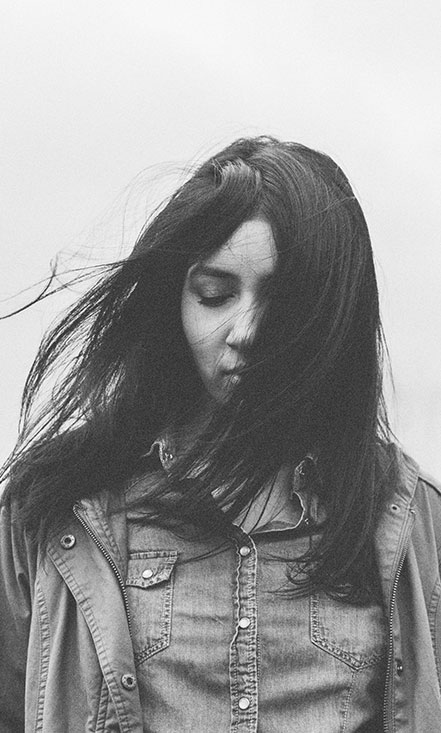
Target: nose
column 242, row 329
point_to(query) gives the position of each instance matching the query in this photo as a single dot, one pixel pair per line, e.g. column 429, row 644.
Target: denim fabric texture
column 222, row 645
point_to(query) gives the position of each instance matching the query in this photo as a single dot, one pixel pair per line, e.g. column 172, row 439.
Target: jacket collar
column 397, row 518
column 105, row 513
column 105, row 516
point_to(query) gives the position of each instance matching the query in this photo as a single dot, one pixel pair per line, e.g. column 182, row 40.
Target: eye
column 214, row 301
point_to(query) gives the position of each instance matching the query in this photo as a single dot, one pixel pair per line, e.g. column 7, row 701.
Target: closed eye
column 214, row 301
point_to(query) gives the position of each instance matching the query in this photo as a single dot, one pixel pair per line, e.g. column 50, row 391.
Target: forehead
column 251, row 249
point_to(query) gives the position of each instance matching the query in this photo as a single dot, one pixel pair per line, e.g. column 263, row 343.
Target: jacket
column 66, row 657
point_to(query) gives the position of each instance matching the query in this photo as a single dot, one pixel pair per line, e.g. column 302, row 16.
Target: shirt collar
column 305, row 484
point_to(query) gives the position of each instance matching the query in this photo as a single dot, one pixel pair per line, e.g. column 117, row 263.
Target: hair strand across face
column 312, row 382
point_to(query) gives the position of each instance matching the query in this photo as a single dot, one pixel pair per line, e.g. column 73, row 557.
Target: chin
column 218, row 390
column 216, row 394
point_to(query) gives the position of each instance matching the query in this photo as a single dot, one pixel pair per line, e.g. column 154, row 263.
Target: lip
column 236, row 370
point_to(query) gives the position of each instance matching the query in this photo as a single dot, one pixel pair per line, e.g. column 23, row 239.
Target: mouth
column 235, row 371
column 234, row 375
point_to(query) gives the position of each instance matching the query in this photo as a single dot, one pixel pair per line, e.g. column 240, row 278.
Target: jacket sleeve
column 15, row 615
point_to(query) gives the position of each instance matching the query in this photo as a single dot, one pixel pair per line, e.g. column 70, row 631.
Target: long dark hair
column 313, row 381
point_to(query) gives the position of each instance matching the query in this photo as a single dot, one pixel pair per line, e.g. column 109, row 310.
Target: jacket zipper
column 393, row 597
column 110, row 560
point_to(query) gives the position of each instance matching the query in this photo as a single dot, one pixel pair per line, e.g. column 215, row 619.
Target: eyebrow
column 201, row 269
column 208, row 271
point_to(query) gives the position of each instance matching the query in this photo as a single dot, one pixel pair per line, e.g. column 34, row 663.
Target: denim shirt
column 221, row 644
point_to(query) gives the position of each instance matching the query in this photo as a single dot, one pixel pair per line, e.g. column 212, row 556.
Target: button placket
column 243, row 650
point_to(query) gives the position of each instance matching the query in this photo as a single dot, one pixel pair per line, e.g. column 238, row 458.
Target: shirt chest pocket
column 356, row 635
column 149, row 587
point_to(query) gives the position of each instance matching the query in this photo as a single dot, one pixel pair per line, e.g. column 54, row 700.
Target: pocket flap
column 145, row 569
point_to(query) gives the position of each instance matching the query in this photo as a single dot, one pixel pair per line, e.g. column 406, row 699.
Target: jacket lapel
column 94, row 569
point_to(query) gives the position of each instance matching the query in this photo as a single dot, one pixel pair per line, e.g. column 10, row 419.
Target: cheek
column 192, row 325
column 202, row 331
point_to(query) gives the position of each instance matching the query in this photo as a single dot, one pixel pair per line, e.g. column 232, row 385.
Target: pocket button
column 147, row 573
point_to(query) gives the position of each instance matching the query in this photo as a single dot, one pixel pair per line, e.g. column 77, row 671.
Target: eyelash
column 213, row 301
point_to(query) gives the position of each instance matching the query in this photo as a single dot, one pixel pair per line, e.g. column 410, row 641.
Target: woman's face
column 222, row 302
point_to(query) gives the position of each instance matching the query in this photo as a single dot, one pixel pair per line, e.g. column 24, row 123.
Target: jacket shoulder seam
column 430, row 481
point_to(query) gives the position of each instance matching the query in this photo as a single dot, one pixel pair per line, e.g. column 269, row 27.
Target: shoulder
column 428, row 505
column 425, row 502
column 430, row 484
column 18, row 555
column 409, row 477
column 425, row 484
column 413, row 486
column 11, row 525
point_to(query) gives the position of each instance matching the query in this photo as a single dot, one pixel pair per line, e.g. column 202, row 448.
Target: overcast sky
column 95, row 92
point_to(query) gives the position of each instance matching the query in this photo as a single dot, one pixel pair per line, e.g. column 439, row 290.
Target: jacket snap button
column 395, row 508
column 399, row 666
column 67, row 541
column 244, row 622
column 244, row 703
column 148, row 573
column 128, row 681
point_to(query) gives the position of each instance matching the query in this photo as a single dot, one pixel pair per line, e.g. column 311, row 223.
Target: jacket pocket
column 149, row 586
column 356, row 635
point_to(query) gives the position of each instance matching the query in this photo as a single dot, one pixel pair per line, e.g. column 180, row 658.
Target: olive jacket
column 66, row 657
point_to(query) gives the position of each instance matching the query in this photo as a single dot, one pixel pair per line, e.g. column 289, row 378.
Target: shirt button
column 148, row 573
column 244, row 551
column 244, row 622
column 128, row 681
column 244, row 703
column 67, row 541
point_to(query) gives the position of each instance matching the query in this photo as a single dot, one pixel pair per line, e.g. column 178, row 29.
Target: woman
column 206, row 527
